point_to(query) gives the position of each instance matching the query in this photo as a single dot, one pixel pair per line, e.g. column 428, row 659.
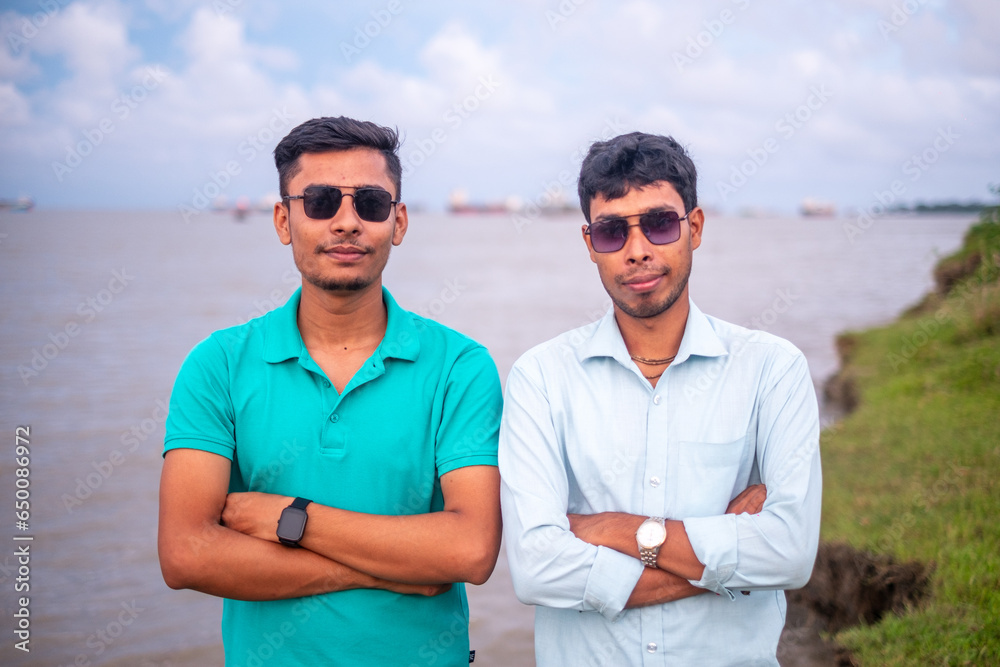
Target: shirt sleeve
column 776, row 548
column 549, row 565
column 470, row 415
column 201, row 408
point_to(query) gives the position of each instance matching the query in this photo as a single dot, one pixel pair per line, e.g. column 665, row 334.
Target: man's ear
column 281, row 223
column 590, row 246
column 696, row 219
column 402, row 224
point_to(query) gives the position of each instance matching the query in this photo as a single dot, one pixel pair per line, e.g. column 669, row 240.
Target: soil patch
column 848, row 587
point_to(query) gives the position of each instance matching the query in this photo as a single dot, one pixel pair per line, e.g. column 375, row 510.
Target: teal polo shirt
column 426, row 402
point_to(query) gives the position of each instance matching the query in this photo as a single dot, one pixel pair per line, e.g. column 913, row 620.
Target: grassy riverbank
column 914, row 471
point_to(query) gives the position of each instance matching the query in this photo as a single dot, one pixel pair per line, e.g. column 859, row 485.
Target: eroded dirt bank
column 847, row 587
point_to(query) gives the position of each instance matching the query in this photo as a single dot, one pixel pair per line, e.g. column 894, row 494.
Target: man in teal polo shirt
column 330, row 468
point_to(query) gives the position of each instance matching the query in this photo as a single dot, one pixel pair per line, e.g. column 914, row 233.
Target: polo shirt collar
column 283, row 341
column 699, row 339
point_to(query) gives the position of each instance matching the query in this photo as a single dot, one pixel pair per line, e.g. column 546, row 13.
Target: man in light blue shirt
column 660, row 468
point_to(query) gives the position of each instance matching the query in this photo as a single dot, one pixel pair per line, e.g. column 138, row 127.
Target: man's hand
column 750, row 501
column 255, row 514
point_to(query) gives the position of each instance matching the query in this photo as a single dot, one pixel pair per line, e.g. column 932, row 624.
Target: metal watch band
column 648, row 556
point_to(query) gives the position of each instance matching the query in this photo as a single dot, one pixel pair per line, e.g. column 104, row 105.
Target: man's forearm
column 459, row 543
column 659, row 587
column 616, row 530
column 219, row 561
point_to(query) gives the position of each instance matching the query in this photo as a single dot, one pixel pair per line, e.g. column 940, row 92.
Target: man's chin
column 341, row 286
column 643, row 309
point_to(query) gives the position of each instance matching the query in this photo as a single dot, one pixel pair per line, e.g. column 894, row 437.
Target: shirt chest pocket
column 706, row 474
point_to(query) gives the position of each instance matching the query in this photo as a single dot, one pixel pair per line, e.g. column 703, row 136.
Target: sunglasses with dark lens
column 321, row 202
column 660, row 227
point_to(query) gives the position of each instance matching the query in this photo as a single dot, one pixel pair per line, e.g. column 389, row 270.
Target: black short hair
column 636, row 160
column 321, row 135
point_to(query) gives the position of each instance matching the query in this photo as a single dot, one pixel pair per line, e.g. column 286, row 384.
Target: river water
column 100, row 308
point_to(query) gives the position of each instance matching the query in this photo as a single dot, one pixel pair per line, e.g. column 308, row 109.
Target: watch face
column 650, row 534
column 292, row 524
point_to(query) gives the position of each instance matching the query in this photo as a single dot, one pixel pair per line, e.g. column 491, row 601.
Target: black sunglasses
column 660, row 227
column 321, row 202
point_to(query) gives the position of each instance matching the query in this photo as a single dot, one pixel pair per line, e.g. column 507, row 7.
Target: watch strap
column 300, row 503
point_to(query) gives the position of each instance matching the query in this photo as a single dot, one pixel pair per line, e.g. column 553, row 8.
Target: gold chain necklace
column 653, row 377
column 652, row 362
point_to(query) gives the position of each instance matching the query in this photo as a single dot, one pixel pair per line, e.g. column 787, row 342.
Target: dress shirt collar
column 283, row 340
column 699, row 339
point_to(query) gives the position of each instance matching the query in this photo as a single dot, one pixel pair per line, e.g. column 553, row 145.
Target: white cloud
column 14, row 108
column 92, row 40
column 550, row 91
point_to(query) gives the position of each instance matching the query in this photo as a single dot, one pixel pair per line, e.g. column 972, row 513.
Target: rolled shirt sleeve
column 549, row 565
column 776, row 548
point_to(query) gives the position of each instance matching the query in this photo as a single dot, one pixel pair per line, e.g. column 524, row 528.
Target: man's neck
column 331, row 321
column 657, row 337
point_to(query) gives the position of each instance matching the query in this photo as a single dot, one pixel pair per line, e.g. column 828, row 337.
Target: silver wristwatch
column 650, row 537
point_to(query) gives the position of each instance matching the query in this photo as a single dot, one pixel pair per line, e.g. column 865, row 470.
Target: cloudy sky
column 155, row 103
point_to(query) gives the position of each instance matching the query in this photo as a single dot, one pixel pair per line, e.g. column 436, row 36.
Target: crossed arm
column 225, row 544
column 676, row 560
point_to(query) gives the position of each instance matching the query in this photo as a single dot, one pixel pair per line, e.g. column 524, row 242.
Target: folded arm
column 676, row 561
column 196, row 551
column 773, row 548
column 459, row 543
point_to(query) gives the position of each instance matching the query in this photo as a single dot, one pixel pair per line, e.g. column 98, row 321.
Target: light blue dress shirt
column 583, row 432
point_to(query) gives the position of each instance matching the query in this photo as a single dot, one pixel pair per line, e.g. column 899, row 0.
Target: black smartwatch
column 292, row 524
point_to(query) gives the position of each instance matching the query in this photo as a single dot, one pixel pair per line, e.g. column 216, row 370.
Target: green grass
column 913, row 472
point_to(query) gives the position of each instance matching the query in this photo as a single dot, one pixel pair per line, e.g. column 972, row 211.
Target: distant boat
column 458, row 202
column 814, row 208
column 19, row 205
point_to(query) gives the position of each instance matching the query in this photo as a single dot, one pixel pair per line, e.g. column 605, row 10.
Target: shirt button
column 651, row 647
column 326, row 384
column 656, row 400
column 335, row 418
column 654, row 482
